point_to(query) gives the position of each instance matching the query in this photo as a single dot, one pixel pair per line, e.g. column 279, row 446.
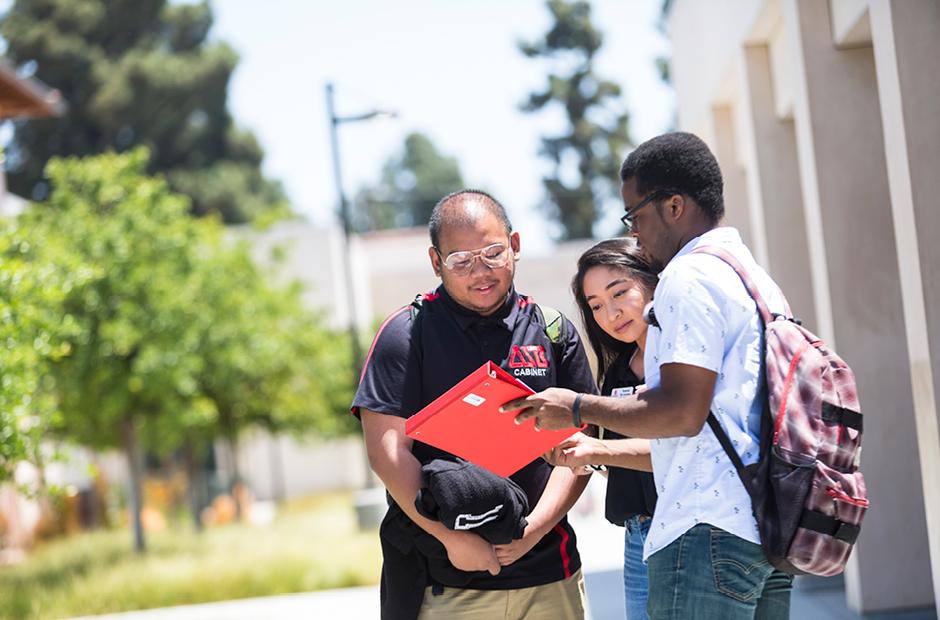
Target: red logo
column 528, row 356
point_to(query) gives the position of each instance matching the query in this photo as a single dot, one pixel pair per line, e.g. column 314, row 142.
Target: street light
column 335, row 122
column 370, row 502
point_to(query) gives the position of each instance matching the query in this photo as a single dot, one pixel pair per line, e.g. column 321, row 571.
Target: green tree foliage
column 411, row 184
column 35, row 334
column 586, row 155
column 137, row 72
column 172, row 335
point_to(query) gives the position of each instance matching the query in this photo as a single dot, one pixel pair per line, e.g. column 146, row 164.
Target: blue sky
column 449, row 68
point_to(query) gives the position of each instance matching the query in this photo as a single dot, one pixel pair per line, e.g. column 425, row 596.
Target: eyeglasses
column 629, row 216
column 493, row 256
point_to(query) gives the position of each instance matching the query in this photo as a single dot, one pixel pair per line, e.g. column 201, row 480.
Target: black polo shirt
column 409, row 365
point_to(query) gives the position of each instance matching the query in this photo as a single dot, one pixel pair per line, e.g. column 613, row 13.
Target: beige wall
column 827, row 110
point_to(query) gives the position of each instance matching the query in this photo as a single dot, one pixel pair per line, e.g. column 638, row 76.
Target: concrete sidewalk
column 601, row 548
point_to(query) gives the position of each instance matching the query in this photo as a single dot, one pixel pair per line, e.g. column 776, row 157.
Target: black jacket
column 462, row 496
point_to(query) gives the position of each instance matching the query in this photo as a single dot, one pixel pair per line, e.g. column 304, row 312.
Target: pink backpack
column 807, row 493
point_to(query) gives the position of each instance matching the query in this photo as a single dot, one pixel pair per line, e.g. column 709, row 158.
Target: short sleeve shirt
column 707, row 319
column 414, row 360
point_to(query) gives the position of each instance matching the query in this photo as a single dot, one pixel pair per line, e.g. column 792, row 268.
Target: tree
column 34, row 333
column 133, row 354
column 266, row 360
column 586, row 155
column 137, row 72
column 168, row 335
column 411, row 184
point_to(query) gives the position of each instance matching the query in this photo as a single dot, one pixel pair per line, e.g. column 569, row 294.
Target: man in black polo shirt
column 474, row 316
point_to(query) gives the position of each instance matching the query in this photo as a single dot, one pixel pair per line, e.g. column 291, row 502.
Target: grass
column 312, row 545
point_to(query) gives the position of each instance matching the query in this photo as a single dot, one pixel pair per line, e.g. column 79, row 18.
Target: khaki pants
column 561, row 600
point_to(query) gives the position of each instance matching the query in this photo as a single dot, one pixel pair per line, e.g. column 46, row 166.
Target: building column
column 906, row 42
column 857, row 293
column 777, row 186
column 735, row 190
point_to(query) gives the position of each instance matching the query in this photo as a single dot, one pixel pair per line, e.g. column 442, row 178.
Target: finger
column 512, row 405
column 524, row 415
column 494, row 566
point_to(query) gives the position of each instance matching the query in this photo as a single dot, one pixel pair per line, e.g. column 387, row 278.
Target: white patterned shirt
column 707, row 319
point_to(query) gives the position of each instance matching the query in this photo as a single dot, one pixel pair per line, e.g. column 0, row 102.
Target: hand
column 470, row 552
column 509, row 553
column 550, row 408
column 579, row 451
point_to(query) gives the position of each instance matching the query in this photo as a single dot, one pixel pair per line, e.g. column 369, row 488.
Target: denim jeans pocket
column 739, row 566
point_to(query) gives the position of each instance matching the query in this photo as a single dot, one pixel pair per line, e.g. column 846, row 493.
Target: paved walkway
column 601, row 547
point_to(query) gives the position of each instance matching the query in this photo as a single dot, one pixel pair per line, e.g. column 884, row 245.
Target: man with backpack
column 704, row 354
column 431, row 570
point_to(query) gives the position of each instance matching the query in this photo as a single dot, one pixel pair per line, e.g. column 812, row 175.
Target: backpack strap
column 725, row 442
column 733, row 262
column 556, row 328
column 766, row 317
column 415, row 307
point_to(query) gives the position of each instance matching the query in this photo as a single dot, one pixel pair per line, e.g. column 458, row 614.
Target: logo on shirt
column 528, row 360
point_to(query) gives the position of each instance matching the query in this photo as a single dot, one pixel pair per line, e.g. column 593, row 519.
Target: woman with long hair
column 613, row 284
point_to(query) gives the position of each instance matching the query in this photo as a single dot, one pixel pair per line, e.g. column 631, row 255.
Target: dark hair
column 619, row 254
column 680, row 162
column 441, row 216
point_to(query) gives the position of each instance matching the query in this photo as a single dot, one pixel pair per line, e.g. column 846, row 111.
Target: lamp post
column 335, row 122
column 370, row 502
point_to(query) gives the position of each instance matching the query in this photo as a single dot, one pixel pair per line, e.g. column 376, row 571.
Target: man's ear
column 675, row 207
column 515, row 245
column 436, row 264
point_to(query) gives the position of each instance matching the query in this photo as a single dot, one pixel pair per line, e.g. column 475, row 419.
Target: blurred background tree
column 137, row 72
column 34, row 332
column 586, row 156
column 410, row 185
column 171, row 334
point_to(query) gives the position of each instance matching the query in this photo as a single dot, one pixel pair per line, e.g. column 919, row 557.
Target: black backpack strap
column 415, row 307
column 725, row 442
column 824, row 524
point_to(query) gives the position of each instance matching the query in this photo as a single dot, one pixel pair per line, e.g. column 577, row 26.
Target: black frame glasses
column 627, row 218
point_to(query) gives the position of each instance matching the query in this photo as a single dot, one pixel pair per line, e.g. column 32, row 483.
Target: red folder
column 465, row 421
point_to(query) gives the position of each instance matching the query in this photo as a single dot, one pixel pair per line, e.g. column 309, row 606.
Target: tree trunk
column 135, row 468
column 236, row 477
column 194, row 477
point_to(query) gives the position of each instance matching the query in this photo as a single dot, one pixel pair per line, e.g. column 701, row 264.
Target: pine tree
column 411, row 184
column 137, row 72
column 588, row 152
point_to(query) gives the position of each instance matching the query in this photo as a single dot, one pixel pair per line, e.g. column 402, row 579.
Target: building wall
column 819, row 110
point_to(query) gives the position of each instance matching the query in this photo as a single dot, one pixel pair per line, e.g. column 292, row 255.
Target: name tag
column 623, row 392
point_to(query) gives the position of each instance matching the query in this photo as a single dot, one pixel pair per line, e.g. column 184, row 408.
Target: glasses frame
column 627, row 218
column 474, row 255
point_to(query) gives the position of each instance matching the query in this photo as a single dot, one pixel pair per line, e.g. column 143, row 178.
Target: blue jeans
column 708, row 573
column 635, row 582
